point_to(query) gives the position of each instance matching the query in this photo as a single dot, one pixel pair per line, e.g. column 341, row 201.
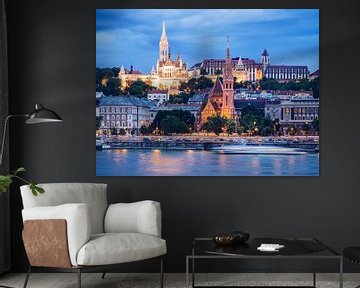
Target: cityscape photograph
column 207, row 92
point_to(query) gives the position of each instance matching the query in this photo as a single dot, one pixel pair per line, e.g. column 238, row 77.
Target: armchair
column 71, row 228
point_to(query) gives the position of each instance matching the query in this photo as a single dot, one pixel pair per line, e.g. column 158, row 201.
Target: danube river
column 156, row 162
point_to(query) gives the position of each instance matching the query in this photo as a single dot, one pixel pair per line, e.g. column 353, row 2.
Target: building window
column 123, row 110
column 123, row 124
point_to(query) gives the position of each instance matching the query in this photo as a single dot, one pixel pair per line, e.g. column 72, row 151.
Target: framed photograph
column 210, row 92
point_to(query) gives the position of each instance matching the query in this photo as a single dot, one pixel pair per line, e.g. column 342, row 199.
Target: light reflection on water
column 139, row 162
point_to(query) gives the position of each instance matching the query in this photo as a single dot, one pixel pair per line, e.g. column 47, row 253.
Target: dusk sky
column 131, row 36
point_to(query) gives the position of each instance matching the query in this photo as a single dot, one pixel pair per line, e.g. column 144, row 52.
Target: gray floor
column 121, row 280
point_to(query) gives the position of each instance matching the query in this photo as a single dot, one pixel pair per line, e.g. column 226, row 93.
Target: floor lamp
column 39, row 115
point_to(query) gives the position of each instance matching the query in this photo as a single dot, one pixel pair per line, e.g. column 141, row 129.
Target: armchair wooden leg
column 161, row 273
column 79, row 277
column 27, row 277
column 103, row 275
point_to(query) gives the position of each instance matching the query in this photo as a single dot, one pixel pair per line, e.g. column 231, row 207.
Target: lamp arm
column 4, row 134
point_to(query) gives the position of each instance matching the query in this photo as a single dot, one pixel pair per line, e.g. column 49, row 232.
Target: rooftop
column 125, row 101
column 158, row 91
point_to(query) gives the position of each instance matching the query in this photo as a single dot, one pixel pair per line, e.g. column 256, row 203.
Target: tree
column 183, row 116
column 122, row 131
column 98, row 122
column 315, row 125
column 107, row 81
column 203, row 71
column 269, row 84
column 253, row 119
column 306, row 128
column 216, row 124
column 172, row 124
column 315, row 87
column 114, row 131
column 182, row 128
column 277, row 126
column 112, row 87
column 139, row 88
column 218, row 72
column 230, row 127
column 291, row 130
column 145, row 129
column 238, row 85
column 179, row 99
column 240, row 130
column 203, row 83
column 197, row 84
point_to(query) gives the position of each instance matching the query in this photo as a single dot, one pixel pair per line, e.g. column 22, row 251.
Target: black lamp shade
column 42, row 115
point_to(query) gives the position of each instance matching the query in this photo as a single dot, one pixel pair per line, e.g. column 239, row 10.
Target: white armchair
column 72, row 228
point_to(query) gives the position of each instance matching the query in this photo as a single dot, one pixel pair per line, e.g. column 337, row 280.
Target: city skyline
column 131, row 36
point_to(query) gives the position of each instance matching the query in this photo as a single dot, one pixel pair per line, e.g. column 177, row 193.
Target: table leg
column 193, row 272
column 341, row 273
column 314, row 271
column 187, row 272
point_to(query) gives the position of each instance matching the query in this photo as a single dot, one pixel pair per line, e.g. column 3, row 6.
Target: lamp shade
column 42, row 115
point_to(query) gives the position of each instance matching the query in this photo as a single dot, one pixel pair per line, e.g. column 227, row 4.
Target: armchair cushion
column 138, row 217
column 78, row 221
column 92, row 194
column 113, row 248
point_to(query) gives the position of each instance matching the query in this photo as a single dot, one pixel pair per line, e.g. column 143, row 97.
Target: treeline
column 169, row 122
column 304, row 84
column 196, row 84
column 109, row 83
column 254, row 123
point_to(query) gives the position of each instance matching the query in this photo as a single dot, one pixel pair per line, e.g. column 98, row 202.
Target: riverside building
column 298, row 111
column 123, row 112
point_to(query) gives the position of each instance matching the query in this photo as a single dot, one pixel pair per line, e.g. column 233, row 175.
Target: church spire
column 228, row 68
column 163, row 29
column 163, row 45
column 227, row 48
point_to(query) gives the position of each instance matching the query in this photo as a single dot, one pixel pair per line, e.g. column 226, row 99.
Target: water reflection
column 137, row 162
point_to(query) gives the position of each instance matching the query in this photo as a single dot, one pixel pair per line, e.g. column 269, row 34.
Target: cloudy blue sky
column 131, row 36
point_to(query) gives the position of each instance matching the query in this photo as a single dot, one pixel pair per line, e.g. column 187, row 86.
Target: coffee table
column 294, row 248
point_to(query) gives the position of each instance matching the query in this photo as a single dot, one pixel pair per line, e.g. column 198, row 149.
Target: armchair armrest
column 78, row 225
column 138, row 217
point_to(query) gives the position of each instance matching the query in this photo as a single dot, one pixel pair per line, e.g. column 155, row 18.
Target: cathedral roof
column 216, row 107
column 217, row 88
column 265, row 53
